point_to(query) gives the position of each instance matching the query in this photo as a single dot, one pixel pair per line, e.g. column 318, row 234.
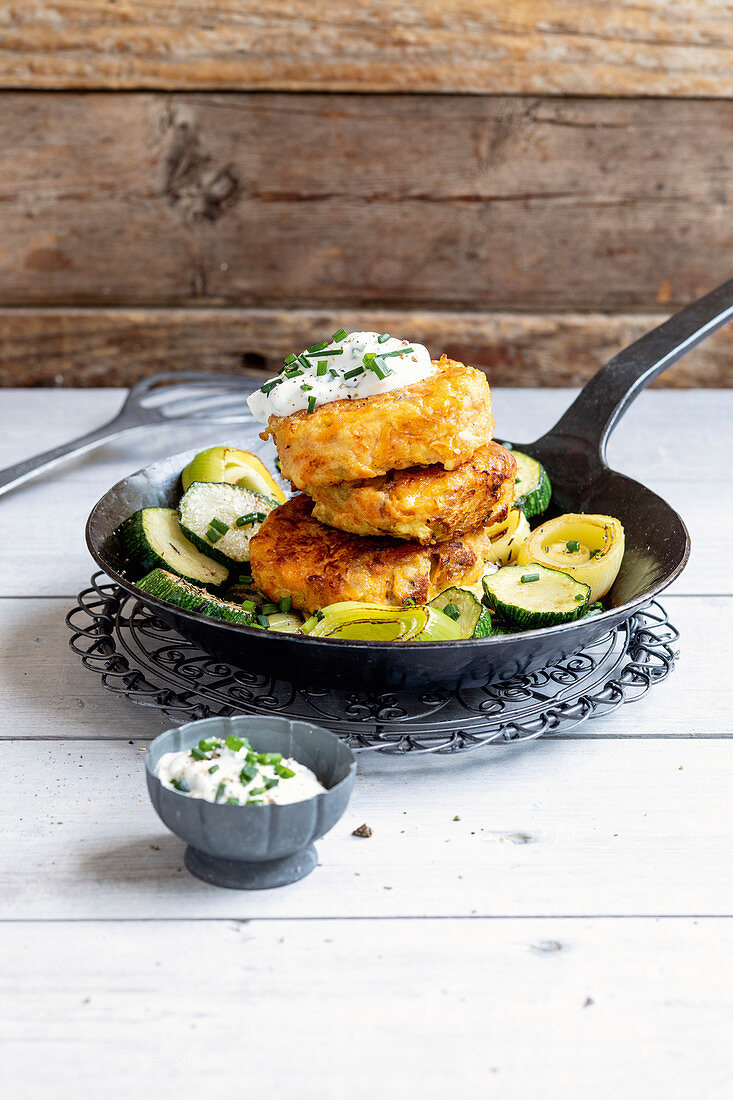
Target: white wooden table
column 547, row 921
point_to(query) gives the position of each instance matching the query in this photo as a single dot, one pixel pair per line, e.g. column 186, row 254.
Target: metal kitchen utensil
column 657, row 544
column 162, row 399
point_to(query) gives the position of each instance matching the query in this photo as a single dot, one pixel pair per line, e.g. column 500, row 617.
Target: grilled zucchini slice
column 153, row 538
column 181, row 593
column 462, row 607
column 220, row 518
column 532, row 485
column 531, row 596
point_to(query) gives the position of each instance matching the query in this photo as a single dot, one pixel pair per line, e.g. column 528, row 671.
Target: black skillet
column 657, row 543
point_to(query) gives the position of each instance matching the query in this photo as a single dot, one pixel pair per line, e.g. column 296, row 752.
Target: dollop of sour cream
column 233, row 772
column 349, row 366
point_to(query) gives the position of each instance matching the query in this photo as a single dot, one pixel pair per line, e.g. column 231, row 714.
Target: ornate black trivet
column 140, row 656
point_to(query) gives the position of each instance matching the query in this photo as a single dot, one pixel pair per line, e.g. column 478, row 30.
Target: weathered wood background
column 184, row 183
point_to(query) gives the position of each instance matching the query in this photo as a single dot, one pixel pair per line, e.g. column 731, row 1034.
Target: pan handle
column 603, row 401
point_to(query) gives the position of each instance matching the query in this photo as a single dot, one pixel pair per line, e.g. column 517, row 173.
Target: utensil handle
column 12, row 476
column 603, row 401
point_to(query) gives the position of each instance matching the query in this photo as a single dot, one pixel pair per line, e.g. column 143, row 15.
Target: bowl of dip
column 249, row 795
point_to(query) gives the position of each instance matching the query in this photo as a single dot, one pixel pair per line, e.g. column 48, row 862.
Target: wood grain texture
column 338, row 201
column 552, row 828
column 117, row 347
column 521, row 1008
column 531, row 46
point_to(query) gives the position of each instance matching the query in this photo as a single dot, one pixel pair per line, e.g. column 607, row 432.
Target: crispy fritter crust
column 441, row 420
column 425, row 503
column 294, row 555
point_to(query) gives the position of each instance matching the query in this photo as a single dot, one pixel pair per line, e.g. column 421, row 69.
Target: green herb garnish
column 353, row 373
column 219, row 791
column 232, row 801
column 219, row 526
column 398, row 351
column 573, row 546
column 270, row 783
column 290, row 359
column 285, row 604
column 595, row 553
column 451, row 611
column 247, row 774
column 213, row 769
column 256, row 790
column 270, row 609
column 527, row 578
column 248, row 605
column 580, row 597
column 208, row 744
column 269, row 757
column 305, row 387
column 250, row 517
column 197, row 754
column 322, row 368
column 263, row 621
column 383, row 338
column 283, row 772
column 312, row 403
column 236, row 743
column 340, row 335
column 317, row 347
column 213, row 535
column 268, row 386
column 181, row 785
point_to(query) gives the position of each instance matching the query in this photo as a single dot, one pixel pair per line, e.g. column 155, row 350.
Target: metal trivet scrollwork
column 143, row 658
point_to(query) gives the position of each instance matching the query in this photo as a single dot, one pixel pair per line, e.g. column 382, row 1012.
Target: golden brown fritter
column 441, row 420
column 294, row 555
column 425, row 503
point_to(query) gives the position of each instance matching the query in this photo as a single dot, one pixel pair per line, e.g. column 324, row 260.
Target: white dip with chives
column 349, row 366
column 232, row 772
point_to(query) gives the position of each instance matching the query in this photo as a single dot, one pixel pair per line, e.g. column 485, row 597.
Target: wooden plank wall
column 194, row 185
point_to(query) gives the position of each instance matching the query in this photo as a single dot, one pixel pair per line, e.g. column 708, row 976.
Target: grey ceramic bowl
column 255, row 847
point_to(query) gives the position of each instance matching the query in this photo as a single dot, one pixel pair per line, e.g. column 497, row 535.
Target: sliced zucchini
column 181, row 593
column 154, row 539
column 588, row 547
column 532, row 485
column 233, row 465
column 462, row 606
column 220, row 518
column 532, row 595
column 484, row 626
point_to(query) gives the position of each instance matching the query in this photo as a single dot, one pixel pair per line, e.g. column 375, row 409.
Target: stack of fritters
column 404, row 492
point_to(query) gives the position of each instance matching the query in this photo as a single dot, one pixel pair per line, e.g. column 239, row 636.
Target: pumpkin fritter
column 425, row 503
column 441, row 420
column 294, row 555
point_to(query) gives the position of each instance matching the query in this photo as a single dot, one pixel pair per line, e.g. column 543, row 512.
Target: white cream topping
column 400, row 362
column 232, row 772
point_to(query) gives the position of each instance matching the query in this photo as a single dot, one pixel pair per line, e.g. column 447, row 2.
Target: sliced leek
column 588, row 547
column 508, row 540
column 233, row 465
column 373, row 622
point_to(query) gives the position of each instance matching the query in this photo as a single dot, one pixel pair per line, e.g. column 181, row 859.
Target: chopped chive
column 213, row 535
column 210, row 744
column 573, row 546
column 250, row 517
column 247, row 774
column 270, row 758
column 256, row 790
column 322, row 368
column 398, row 351
column 305, row 387
column 244, row 578
column 517, row 480
column 253, row 802
column 278, row 467
column 219, row 791
column 269, row 783
column 526, row 578
column 327, row 351
column 285, row 604
column 181, row 785
column 312, row 403
column 268, row 386
column 317, row 347
column 232, row 801
column 213, row 769
column 595, row 553
column 383, row 338
column 263, row 621
column 333, row 373
column 248, row 605
column 294, row 372
column 290, row 359
column 304, row 362
column 319, row 615
column 197, row 754
column 340, row 335
column 236, row 743
column 451, row 611
column 580, row 597
column 353, row 373
column 376, row 364
column 219, row 526
column 283, row 772
column 270, row 609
